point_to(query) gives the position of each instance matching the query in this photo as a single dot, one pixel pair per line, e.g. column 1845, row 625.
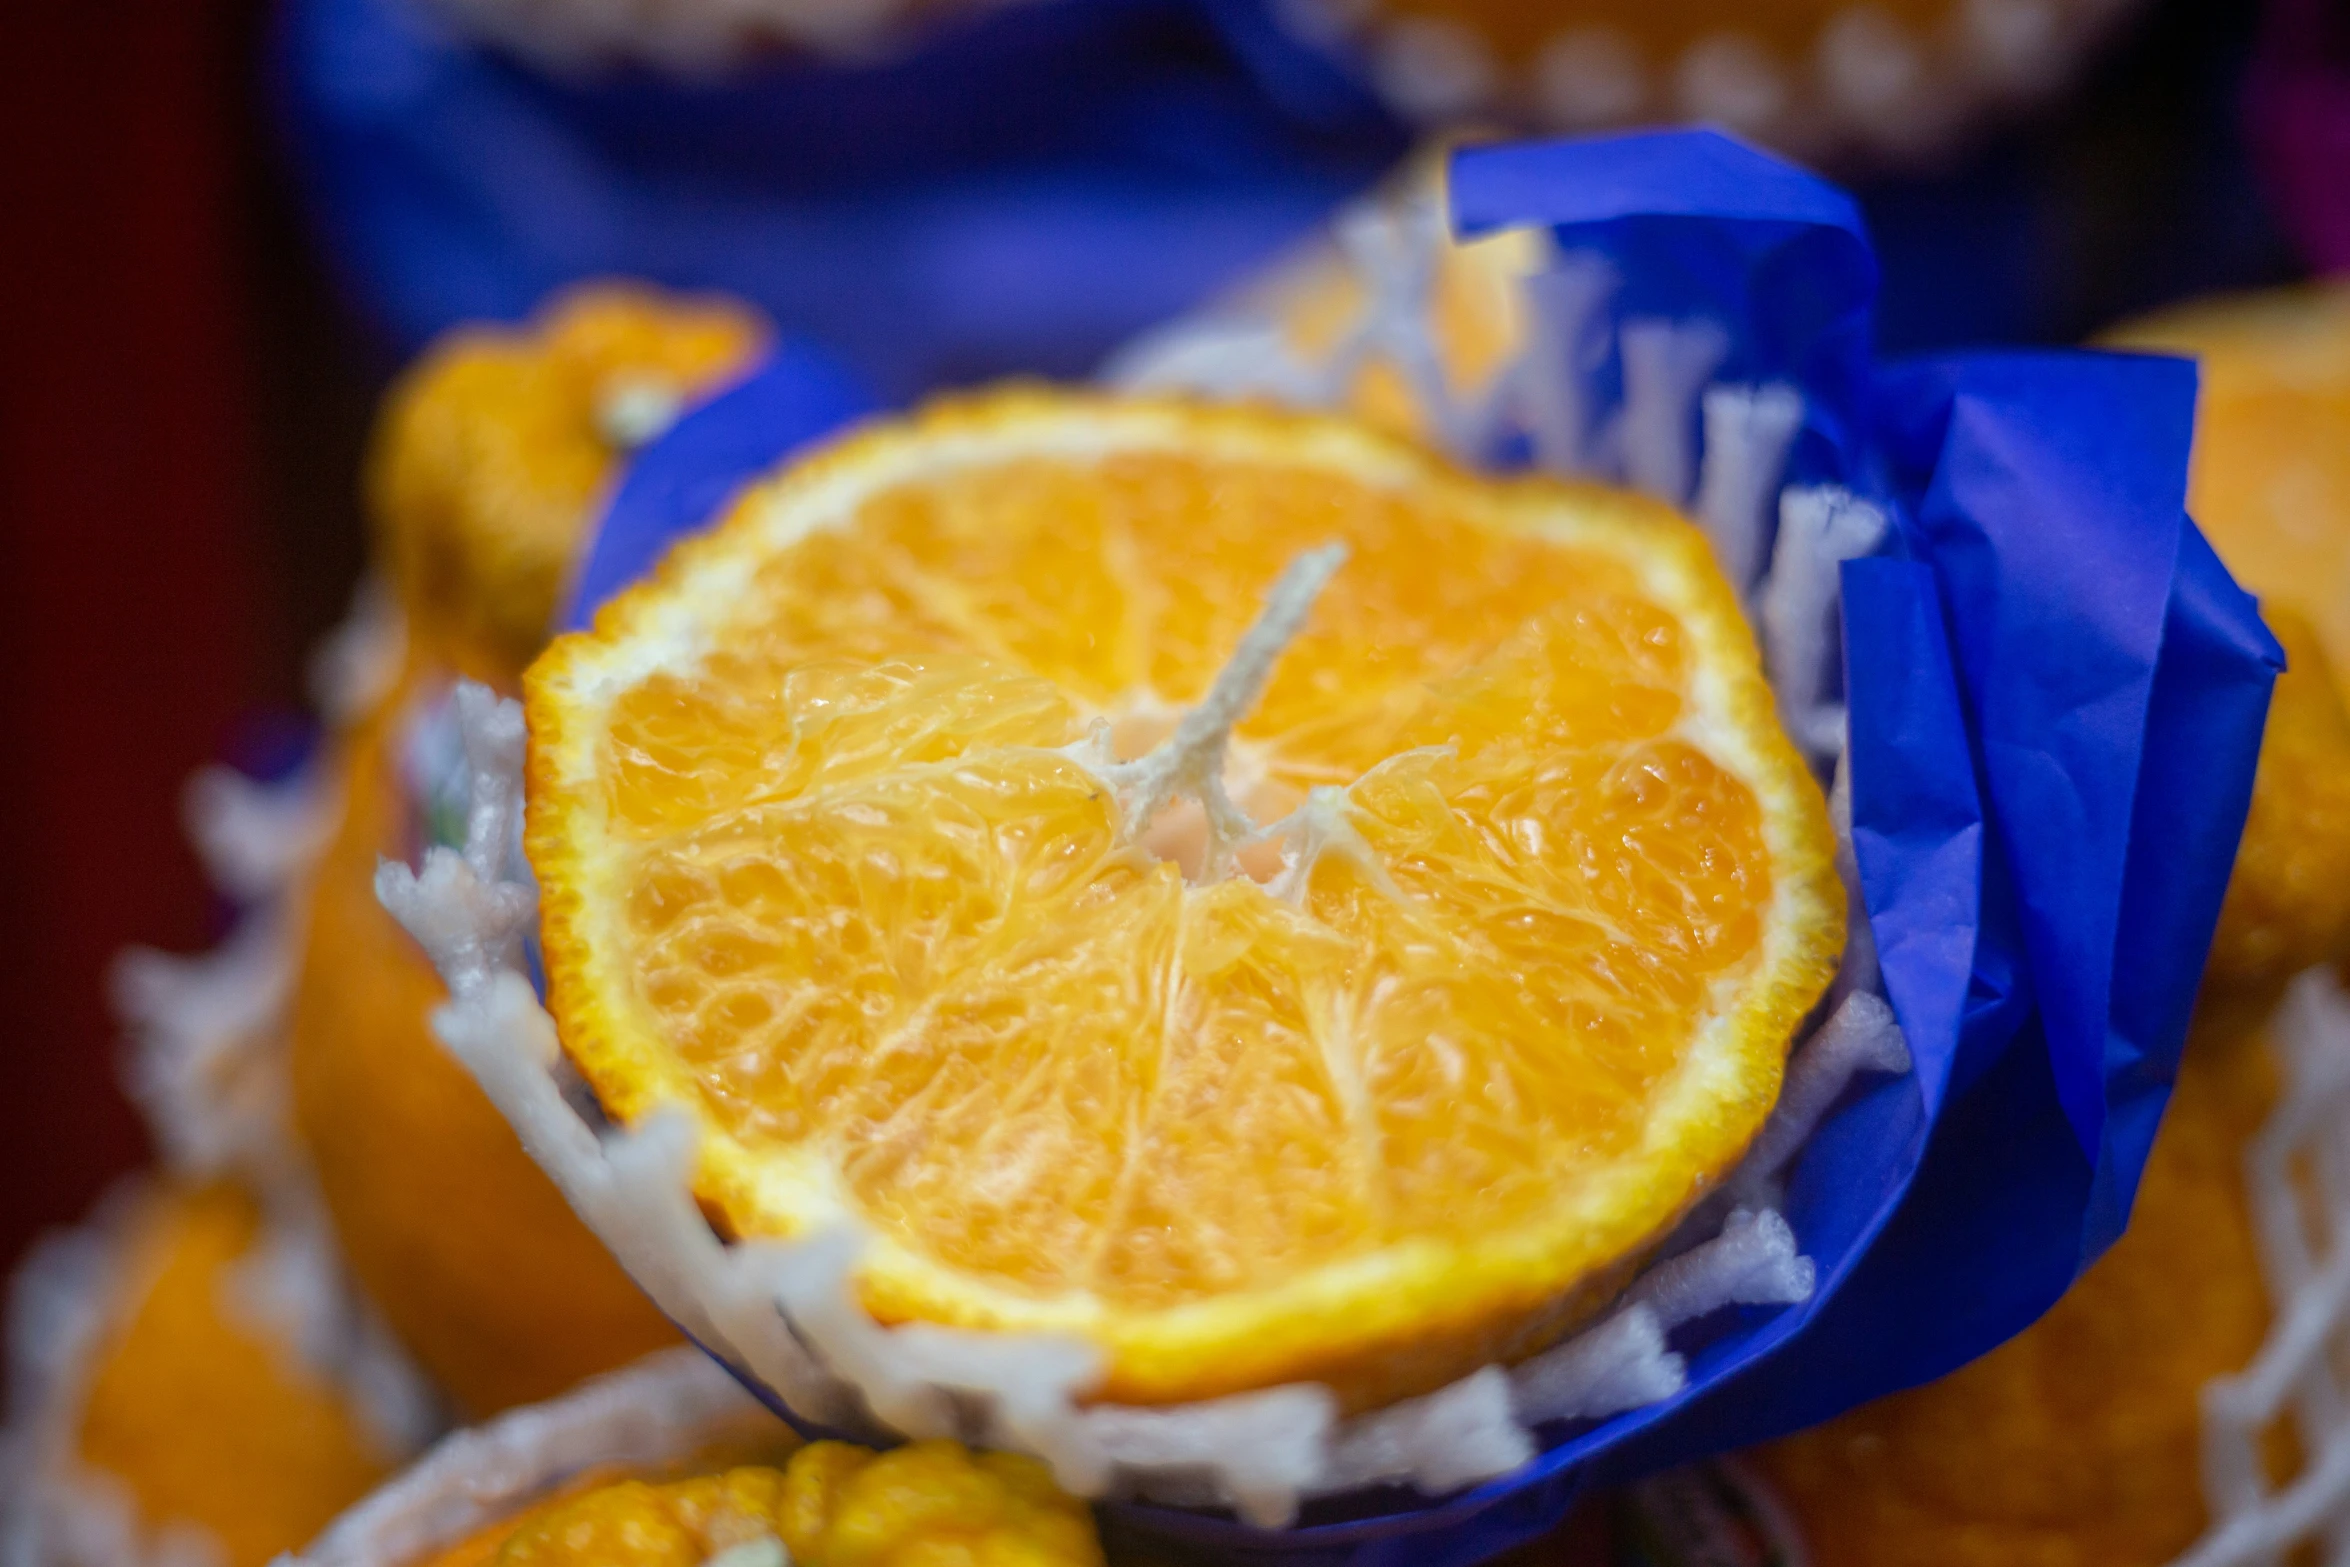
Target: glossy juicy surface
column 852, row 889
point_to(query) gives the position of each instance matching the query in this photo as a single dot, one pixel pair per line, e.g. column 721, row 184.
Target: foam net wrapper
column 786, row 1314
column 2297, row 1186
column 205, row 1063
column 668, row 1407
column 1870, row 85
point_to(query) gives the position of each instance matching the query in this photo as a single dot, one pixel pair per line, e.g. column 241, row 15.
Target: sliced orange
column 829, row 858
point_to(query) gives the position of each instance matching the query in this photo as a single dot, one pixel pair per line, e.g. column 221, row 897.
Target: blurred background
column 235, row 220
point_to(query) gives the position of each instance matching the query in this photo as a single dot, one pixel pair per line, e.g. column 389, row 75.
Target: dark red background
column 176, row 434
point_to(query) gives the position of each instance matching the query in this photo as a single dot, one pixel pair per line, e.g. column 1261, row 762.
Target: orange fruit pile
column 487, row 468
column 845, row 846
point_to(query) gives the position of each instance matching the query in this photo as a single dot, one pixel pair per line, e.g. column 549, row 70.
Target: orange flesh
column 873, row 910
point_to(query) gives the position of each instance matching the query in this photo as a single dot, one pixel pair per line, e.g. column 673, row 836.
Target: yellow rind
column 1402, row 1320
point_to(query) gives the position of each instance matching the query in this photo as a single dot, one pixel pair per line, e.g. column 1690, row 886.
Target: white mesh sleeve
column 2295, row 1379
column 55, row 1512
column 666, row 1407
column 1748, row 431
column 1667, row 365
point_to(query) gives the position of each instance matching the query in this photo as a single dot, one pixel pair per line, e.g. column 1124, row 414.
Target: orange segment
column 825, row 861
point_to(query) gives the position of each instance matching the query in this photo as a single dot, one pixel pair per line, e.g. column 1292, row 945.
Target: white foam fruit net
column 205, row 1063
column 1874, row 83
column 1871, row 86
column 2297, row 1187
column 54, row 1511
column 670, row 1406
column 786, row 1313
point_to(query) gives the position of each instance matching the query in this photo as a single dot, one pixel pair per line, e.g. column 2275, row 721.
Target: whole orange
column 489, row 460
column 205, row 1419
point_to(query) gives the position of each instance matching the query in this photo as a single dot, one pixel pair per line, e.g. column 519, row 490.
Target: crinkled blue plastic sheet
column 2056, row 697
column 682, row 480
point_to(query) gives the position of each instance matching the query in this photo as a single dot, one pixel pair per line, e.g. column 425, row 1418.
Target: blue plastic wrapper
column 2056, row 697
column 680, row 481
column 1024, row 187
column 1022, row 190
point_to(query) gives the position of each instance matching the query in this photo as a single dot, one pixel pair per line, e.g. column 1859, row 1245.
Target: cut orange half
column 863, row 834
